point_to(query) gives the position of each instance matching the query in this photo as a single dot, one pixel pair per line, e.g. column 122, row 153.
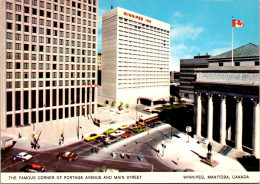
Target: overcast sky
column 197, row 26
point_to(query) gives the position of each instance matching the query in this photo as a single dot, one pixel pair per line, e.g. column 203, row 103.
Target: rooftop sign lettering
column 137, row 17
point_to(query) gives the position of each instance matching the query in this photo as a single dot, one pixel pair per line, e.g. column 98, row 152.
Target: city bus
column 143, row 120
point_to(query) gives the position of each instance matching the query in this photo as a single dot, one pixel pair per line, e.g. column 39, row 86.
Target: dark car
column 67, row 155
column 33, row 168
column 100, row 138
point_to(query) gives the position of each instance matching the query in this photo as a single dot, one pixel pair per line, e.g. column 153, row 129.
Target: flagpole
column 232, row 62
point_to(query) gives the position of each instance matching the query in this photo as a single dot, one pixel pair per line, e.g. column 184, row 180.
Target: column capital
column 197, row 94
column 255, row 101
column 209, row 95
column 238, row 99
column 222, row 97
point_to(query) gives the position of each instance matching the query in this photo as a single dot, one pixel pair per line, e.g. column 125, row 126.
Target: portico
column 227, row 100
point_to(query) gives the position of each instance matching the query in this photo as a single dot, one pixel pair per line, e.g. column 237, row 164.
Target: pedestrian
column 128, row 155
column 19, row 136
column 141, row 157
column 97, row 150
column 123, row 155
column 31, row 144
column 114, row 154
column 59, row 141
column 209, row 147
column 62, row 139
column 82, row 137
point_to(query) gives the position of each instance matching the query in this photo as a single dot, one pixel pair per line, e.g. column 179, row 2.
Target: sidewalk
column 183, row 155
column 50, row 132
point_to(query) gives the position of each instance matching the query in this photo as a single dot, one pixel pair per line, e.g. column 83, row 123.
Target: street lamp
column 188, row 129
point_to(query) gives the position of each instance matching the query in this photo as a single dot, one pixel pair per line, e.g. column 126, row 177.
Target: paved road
column 87, row 162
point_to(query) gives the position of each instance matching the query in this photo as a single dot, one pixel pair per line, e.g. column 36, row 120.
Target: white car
column 23, row 156
column 117, row 133
column 147, row 109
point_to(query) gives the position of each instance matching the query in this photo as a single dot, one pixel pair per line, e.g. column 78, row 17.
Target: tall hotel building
column 135, row 57
column 48, row 60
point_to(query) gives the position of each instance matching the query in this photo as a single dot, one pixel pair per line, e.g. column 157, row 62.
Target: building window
column 9, row 25
column 256, row 63
column 220, row 64
column 237, row 63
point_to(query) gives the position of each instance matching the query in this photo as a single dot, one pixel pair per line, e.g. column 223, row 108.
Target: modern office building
column 135, row 56
column 48, row 60
column 187, row 75
column 227, row 99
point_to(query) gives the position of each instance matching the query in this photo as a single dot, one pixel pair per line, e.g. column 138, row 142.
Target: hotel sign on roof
column 136, row 16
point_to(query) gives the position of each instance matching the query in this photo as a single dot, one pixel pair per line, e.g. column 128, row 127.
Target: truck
column 6, row 142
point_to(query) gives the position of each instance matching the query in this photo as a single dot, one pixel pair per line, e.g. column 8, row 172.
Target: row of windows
column 56, row 114
column 26, row 28
column 27, row 47
column 44, row 97
column 158, row 85
column 9, row 75
column 55, row 24
column 33, row 84
column 26, row 56
column 41, row 12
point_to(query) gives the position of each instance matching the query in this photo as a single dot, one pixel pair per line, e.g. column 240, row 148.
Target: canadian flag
column 237, row 23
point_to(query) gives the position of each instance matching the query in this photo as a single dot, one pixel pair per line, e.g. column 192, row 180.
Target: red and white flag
column 237, row 23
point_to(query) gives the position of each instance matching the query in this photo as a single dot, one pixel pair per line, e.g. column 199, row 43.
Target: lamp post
column 188, row 129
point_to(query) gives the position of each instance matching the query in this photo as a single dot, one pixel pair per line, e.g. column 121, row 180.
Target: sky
column 197, row 26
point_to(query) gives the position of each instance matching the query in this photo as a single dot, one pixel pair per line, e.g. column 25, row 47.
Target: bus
column 143, row 120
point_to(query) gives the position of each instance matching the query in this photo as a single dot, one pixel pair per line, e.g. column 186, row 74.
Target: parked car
column 140, row 129
column 127, row 134
column 23, row 156
column 111, row 140
column 141, row 123
column 109, row 131
column 147, row 109
column 91, row 137
column 133, row 126
column 33, row 168
column 67, row 155
column 100, row 138
column 123, row 127
column 117, row 133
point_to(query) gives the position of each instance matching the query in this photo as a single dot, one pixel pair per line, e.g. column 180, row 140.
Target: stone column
column 198, row 119
column 210, row 116
column 256, row 128
column 239, row 123
column 222, row 119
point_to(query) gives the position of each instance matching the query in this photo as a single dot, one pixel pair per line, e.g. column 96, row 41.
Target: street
column 138, row 144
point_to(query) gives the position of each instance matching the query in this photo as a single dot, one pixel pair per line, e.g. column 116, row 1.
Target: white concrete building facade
column 135, row 57
column 48, row 61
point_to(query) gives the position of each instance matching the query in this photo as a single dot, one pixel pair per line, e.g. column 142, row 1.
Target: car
column 91, row 137
column 141, row 123
column 127, row 134
column 151, row 125
column 67, row 155
column 23, row 156
column 100, row 138
column 109, row 131
column 147, row 109
column 111, row 140
column 133, row 126
column 123, row 127
column 33, row 168
column 140, row 129
column 117, row 133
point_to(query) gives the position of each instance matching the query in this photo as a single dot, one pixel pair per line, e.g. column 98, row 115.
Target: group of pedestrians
column 128, row 155
column 95, row 149
column 34, row 144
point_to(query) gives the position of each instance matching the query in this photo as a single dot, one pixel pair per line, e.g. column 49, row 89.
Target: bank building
column 227, row 99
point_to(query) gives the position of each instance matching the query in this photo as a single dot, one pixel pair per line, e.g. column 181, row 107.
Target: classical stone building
column 227, row 99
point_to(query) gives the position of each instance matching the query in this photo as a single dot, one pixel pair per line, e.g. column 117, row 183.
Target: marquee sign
column 137, row 17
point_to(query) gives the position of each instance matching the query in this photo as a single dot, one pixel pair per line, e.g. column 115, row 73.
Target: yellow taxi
column 91, row 137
